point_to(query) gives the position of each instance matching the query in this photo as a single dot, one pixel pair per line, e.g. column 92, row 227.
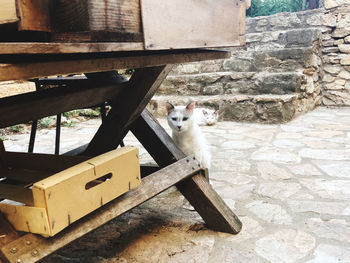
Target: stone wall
column 288, row 60
column 336, row 54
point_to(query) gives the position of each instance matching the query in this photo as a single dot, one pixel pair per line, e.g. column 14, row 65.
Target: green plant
column 46, row 122
column 270, row 7
column 17, row 128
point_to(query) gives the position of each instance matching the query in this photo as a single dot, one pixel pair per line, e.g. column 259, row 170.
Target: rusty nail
column 13, row 250
column 35, row 252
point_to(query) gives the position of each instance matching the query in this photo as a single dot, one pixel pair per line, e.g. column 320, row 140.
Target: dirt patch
column 10, row 88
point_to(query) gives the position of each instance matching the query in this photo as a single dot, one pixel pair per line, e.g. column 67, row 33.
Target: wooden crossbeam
column 217, row 215
column 150, row 186
column 126, row 108
column 21, row 67
column 54, row 48
column 38, row 104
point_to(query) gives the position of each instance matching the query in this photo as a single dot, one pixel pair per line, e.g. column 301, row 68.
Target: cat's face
column 210, row 117
column 180, row 118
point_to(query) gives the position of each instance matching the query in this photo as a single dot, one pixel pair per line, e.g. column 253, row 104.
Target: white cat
column 186, row 133
column 206, row 116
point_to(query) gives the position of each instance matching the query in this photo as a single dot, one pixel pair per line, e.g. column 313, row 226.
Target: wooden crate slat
column 191, row 23
column 27, row 218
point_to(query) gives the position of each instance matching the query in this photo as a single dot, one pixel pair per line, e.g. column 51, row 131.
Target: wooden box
column 155, row 24
column 51, row 204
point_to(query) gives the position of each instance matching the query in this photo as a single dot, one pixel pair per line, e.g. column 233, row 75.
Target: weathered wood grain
column 126, row 108
column 55, row 48
column 19, row 68
column 191, row 23
column 97, row 16
column 34, row 15
column 150, row 186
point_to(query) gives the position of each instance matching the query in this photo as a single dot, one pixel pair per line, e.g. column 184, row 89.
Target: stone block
column 239, row 65
column 300, row 37
column 330, row 50
column 214, row 89
column 344, row 74
column 344, row 48
column 279, row 83
column 328, row 78
column 332, row 69
column 345, row 60
column 347, row 39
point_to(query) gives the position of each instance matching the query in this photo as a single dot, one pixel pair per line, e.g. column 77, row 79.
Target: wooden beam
column 150, row 186
column 27, row 67
column 197, row 190
column 16, row 193
column 38, row 104
column 54, row 48
column 126, row 108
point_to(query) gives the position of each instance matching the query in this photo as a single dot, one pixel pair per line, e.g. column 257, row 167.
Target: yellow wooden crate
column 64, row 197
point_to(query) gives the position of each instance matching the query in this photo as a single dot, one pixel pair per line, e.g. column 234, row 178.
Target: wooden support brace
column 126, row 108
column 150, row 186
column 217, row 215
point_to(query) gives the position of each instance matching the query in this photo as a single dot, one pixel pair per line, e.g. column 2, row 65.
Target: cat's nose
column 179, row 127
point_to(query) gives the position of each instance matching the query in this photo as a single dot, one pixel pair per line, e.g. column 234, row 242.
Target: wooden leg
column 126, row 108
column 217, row 215
column 32, row 248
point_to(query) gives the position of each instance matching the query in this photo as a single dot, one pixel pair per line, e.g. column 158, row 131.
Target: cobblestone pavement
column 289, row 184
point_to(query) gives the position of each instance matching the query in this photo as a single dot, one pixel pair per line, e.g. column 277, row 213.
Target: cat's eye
column 174, row 118
column 185, row 119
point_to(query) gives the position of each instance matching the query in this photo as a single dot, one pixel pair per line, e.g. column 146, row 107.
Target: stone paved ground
column 289, row 184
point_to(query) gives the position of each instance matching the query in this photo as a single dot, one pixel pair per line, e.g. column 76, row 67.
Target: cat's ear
column 190, row 106
column 216, row 113
column 169, row 106
column 204, row 112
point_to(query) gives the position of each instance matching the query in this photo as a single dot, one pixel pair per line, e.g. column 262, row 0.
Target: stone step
column 285, row 21
column 277, row 60
column 250, row 108
column 270, row 40
column 233, row 83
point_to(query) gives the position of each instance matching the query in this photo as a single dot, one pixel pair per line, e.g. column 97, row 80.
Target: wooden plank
column 150, row 186
column 16, row 193
column 96, row 36
column 196, row 189
column 190, row 23
column 7, row 232
column 8, row 12
column 19, row 68
column 54, row 48
column 34, row 14
column 38, row 104
column 26, row 218
column 65, row 207
column 96, row 15
column 126, row 108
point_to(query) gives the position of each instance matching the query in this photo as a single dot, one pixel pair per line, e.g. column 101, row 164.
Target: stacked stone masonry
column 292, row 62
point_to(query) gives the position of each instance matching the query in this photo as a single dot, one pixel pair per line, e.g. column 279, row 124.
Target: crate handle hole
column 98, row 181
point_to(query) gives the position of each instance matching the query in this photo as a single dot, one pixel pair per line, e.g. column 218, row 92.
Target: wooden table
column 128, row 100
